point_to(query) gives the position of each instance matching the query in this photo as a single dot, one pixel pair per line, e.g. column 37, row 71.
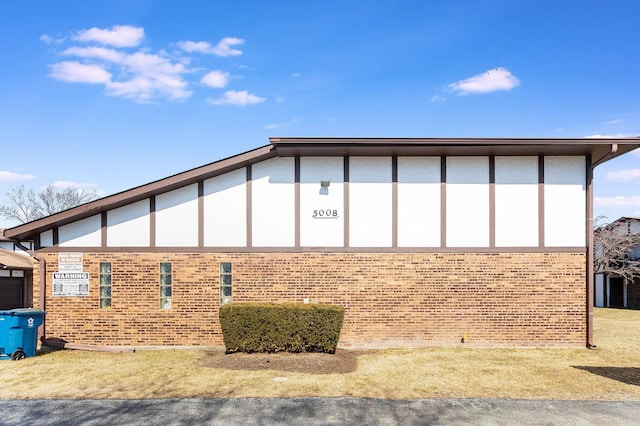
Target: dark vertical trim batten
column 394, row 201
column 55, row 236
column 590, row 252
column 200, row 213
column 541, row 242
column 103, row 230
column 297, row 200
column 346, row 200
column 152, row 221
column 249, row 213
column 492, row 201
column 443, row 201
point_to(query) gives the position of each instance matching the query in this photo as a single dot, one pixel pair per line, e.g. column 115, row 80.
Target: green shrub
column 280, row 327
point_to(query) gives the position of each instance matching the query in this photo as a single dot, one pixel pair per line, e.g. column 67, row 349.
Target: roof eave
column 28, row 230
column 11, row 260
column 597, row 148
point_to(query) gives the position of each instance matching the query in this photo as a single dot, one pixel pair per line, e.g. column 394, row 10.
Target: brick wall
column 391, row 299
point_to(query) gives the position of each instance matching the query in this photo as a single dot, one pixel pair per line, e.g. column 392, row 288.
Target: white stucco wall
column 370, row 206
column 516, row 201
column 225, row 210
column 565, row 201
column 83, row 233
column 177, row 217
column 419, row 201
column 273, row 203
column 129, row 226
column 321, row 209
column 467, row 202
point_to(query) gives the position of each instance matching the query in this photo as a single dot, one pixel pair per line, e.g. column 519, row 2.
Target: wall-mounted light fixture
column 325, row 183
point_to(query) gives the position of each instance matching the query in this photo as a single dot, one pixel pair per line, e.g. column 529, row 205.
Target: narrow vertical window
column 225, row 283
column 165, row 285
column 105, row 285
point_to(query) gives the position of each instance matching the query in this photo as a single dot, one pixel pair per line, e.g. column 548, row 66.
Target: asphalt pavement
column 317, row 411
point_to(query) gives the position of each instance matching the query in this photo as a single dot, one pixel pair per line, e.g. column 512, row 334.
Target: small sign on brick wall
column 70, row 283
column 70, row 262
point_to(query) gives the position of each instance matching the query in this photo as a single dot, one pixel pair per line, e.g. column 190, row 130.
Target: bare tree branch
column 24, row 206
column 614, row 247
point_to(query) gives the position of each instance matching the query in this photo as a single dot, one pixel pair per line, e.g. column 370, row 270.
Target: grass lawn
column 609, row 372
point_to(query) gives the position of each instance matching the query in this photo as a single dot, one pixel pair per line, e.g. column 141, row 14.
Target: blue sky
column 110, row 95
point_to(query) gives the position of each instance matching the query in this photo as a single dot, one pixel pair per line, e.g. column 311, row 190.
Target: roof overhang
column 600, row 150
column 29, row 229
column 11, row 260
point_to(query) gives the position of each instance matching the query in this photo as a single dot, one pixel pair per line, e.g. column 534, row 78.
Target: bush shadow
column 342, row 362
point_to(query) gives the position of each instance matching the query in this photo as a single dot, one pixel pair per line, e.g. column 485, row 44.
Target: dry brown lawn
column 610, row 372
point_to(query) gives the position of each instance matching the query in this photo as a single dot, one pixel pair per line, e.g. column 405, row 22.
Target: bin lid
column 23, row 312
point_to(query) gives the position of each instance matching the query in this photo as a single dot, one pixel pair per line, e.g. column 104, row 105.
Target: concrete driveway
column 317, row 411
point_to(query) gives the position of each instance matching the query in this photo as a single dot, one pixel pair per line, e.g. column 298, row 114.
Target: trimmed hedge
column 280, row 327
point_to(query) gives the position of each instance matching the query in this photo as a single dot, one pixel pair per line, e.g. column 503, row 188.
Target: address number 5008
column 325, row 214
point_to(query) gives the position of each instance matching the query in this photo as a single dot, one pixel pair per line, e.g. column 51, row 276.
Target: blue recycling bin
column 19, row 332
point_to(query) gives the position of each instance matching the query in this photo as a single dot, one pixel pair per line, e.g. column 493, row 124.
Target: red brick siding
column 391, row 299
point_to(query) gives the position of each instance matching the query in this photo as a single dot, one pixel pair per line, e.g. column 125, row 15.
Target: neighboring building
column 423, row 241
column 15, row 274
column 613, row 290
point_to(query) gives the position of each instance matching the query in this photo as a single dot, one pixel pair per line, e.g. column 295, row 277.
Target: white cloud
column 619, row 201
column 223, row 48
column 240, row 98
column 12, row 177
column 490, row 81
column 46, row 38
column 140, row 76
column 438, row 98
column 296, row 74
column 143, row 75
column 76, row 72
column 624, row 175
column 215, row 79
column 145, row 89
column 68, row 184
column 612, row 136
column 102, row 53
column 617, row 121
column 281, row 125
column 117, row 36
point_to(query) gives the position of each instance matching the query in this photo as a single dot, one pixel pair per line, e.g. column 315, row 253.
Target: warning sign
column 70, row 283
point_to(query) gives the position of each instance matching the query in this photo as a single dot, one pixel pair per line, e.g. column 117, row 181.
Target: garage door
column 11, row 293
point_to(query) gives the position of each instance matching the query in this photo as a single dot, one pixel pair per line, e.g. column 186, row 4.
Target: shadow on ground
column 628, row 375
column 342, row 362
